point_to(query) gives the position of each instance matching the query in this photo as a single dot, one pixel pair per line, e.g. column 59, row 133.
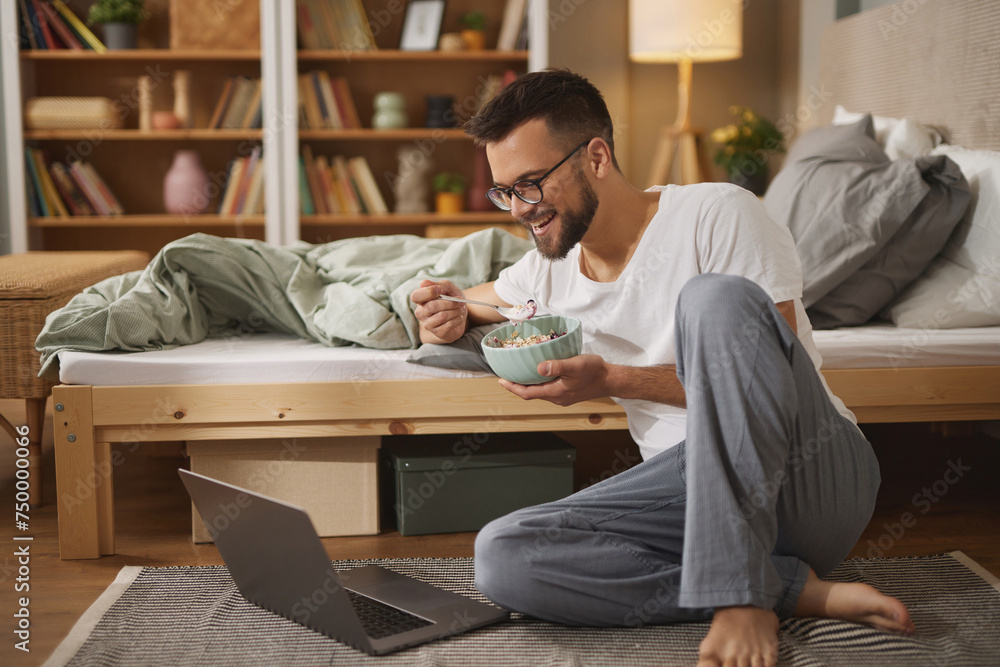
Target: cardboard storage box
column 451, row 483
column 334, row 479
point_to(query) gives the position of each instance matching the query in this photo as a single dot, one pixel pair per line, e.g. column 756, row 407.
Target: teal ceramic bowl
column 520, row 364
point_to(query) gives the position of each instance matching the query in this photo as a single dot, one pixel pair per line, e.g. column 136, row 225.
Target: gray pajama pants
column 770, row 482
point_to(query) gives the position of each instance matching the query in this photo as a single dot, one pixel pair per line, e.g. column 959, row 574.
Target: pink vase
column 185, row 188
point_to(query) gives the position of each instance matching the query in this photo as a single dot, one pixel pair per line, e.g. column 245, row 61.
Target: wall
column 591, row 37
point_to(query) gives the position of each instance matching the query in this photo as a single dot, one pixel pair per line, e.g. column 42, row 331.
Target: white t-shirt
column 704, row 228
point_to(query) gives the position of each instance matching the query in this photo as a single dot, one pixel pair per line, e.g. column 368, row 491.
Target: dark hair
column 573, row 109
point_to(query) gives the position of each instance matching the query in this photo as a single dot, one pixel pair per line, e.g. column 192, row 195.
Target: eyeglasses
column 529, row 190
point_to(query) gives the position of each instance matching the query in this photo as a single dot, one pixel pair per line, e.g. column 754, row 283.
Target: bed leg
column 105, row 499
column 82, row 484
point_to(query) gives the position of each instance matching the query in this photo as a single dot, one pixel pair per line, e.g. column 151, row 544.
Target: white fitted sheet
column 260, row 358
column 887, row 346
column 263, row 358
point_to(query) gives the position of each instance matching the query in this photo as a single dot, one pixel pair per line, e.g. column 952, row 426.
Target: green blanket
column 350, row 292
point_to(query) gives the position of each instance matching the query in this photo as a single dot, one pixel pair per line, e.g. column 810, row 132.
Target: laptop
column 279, row 563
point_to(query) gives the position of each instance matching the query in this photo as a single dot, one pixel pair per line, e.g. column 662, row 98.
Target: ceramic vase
column 448, row 202
column 439, row 111
column 390, row 111
column 118, row 36
column 185, row 188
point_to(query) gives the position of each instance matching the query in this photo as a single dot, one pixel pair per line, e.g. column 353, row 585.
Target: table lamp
column 683, row 32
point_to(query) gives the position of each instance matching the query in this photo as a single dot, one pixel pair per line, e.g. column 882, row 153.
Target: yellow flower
column 747, row 131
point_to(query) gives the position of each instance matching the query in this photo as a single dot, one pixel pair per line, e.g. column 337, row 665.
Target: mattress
column 272, row 358
column 887, row 346
column 257, row 358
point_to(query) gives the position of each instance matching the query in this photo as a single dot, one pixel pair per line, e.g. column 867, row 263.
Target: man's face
column 569, row 202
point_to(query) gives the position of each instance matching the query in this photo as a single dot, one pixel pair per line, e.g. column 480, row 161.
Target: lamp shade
column 696, row 30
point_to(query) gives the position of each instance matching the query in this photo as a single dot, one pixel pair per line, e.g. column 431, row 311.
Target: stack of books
column 50, row 24
column 325, row 102
column 338, row 185
column 333, row 24
column 63, row 190
column 244, row 191
column 239, row 105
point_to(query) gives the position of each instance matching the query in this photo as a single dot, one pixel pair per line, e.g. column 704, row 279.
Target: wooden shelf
column 208, row 219
column 395, row 55
column 402, row 134
column 415, row 219
column 145, row 135
column 149, row 220
column 142, row 54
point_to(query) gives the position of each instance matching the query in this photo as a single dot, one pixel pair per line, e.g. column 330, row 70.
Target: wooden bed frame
column 89, row 419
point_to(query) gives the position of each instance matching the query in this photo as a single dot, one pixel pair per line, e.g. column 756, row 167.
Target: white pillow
column 961, row 287
column 900, row 138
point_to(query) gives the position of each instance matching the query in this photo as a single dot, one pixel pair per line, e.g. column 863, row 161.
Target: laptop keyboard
column 380, row 620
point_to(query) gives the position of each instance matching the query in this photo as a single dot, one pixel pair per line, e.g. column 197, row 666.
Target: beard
column 573, row 223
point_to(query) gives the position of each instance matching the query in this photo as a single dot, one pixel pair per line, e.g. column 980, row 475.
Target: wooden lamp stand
column 679, row 139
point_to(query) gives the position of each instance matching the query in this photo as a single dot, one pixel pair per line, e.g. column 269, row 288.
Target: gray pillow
column 908, row 253
column 465, row 354
column 846, row 203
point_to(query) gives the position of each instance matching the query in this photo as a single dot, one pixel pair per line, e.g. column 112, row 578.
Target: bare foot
column 857, row 603
column 740, row 636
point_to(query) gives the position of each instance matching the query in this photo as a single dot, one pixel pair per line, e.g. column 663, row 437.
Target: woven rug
column 195, row 616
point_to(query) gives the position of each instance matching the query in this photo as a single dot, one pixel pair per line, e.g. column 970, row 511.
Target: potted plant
column 474, row 30
column 745, row 146
column 120, row 19
column 449, row 189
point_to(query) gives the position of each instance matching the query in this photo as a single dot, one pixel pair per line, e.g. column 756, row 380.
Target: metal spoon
column 516, row 314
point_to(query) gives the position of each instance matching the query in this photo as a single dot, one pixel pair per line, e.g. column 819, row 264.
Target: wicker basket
column 34, row 284
column 71, row 113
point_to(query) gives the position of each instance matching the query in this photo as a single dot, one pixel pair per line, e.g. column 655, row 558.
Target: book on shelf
column 514, row 14
column 345, row 184
column 243, row 94
column 102, row 188
column 53, row 202
column 58, row 27
column 239, row 105
column 326, row 102
column 313, row 117
column 365, row 179
column 71, row 194
column 84, row 34
column 232, row 185
column 243, row 192
column 338, row 185
column 58, row 190
column 306, row 205
column 333, row 24
column 51, row 24
column 34, row 203
column 43, row 26
column 312, row 178
column 41, row 205
column 89, row 189
column 254, row 204
column 222, row 103
column 250, row 167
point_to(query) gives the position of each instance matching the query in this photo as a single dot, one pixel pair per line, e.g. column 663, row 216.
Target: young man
column 755, row 482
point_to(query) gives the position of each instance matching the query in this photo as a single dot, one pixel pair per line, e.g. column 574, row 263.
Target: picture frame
column 422, row 25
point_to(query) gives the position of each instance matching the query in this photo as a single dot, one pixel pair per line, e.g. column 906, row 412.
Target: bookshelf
column 134, row 161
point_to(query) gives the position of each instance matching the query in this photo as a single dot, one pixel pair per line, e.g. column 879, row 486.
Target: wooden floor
column 938, row 494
